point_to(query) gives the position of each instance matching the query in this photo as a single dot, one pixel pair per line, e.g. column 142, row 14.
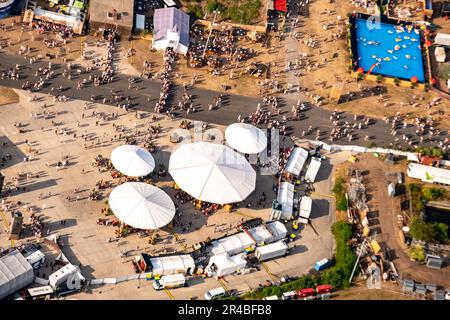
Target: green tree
column 342, row 231
column 417, row 253
column 421, row 230
column 441, row 232
column 428, row 231
column 431, row 194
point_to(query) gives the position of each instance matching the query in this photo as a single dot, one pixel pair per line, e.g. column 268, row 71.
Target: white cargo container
column 270, row 251
column 170, row 282
column 305, row 209
column 313, row 169
column 60, row 276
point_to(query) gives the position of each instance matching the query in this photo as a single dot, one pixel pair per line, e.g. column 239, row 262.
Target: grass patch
column 339, row 193
column 243, row 11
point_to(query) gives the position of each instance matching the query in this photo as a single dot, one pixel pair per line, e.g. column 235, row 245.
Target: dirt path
column 383, row 222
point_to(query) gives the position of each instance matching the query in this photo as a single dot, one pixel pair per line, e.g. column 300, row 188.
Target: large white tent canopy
column 132, row 161
column 246, row 138
column 212, row 172
column 141, row 205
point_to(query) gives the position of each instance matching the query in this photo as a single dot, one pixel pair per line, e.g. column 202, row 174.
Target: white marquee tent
column 296, row 161
column 212, row 172
column 173, row 265
column 15, row 273
column 246, row 138
column 286, row 199
column 268, row 233
column 233, row 244
column 141, row 205
column 224, row 264
column 132, row 160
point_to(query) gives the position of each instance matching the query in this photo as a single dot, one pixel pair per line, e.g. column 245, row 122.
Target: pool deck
column 353, row 45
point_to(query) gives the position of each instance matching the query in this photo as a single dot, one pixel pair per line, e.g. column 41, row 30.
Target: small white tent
column 223, row 264
column 233, row 244
column 172, row 265
column 296, row 161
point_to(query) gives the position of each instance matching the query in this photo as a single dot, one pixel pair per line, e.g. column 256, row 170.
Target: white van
column 215, row 293
column 290, row 295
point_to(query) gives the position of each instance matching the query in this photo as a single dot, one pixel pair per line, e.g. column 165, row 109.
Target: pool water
column 390, row 50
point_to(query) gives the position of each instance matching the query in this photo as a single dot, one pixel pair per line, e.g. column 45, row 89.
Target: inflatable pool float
column 398, row 39
column 387, row 59
column 407, row 56
column 397, row 47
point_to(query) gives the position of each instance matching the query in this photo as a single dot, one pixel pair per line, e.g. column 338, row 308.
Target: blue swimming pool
column 391, row 50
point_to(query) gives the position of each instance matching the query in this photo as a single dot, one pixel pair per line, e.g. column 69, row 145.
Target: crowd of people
column 168, row 60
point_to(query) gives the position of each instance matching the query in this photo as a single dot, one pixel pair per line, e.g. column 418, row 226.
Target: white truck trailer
column 170, row 282
column 62, row 275
column 270, row 251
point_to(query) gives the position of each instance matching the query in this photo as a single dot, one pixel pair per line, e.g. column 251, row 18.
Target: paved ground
column 233, row 105
column 99, row 259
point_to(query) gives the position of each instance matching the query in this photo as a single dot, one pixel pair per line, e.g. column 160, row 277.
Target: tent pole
column 153, row 237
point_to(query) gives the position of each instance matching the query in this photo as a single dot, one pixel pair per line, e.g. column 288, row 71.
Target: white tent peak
column 141, row 205
column 212, row 172
column 132, row 160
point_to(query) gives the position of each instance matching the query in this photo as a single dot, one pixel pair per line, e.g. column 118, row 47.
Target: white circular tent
column 141, row 205
column 132, row 161
column 212, row 172
column 246, row 138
